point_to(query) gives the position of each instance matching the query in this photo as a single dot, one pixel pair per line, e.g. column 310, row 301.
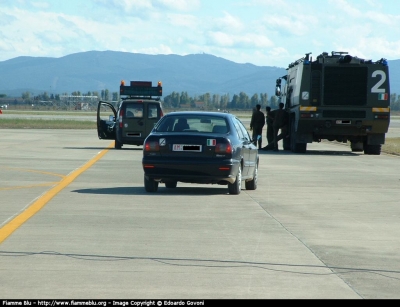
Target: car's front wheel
column 234, row 188
column 150, row 184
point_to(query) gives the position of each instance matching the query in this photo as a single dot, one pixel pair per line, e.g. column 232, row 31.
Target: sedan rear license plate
column 183, row 147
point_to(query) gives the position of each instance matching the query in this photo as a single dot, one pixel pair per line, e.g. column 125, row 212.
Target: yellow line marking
column 46, row 184
column 31, row 171
column 36, row 206
column 34, row 171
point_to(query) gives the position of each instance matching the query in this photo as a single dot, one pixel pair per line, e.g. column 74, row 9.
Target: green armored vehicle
column 336, row 97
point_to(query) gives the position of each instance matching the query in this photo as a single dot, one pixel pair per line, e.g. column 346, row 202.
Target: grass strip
column 17, row 123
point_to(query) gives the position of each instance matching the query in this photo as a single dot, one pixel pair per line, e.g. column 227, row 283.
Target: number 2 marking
column 376, row 88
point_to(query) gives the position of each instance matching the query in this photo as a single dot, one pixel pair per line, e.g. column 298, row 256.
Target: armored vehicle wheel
column 294, row 146
column 372, row 149
column 357, row 146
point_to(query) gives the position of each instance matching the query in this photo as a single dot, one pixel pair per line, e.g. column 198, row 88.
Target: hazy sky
column 261, row 32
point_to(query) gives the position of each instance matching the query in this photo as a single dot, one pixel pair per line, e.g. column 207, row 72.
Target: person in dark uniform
column 256, row 125
column 269, row 120
column 280, row 123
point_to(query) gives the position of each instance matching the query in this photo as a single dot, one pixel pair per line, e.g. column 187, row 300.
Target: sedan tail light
column 223, row 148
column 151, row 146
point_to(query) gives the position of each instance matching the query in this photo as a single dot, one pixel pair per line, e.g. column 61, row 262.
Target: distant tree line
column 104, row 95
column 215, row 101
column 395, row 102
column 174, row 100
column 182, row 100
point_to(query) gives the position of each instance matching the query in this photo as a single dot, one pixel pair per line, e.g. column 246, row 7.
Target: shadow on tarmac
column 311, row 152
column 268, row 152
column 162, row 190
column 102, row 148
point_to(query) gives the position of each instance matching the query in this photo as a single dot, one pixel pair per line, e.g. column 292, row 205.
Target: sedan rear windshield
column 192, row 123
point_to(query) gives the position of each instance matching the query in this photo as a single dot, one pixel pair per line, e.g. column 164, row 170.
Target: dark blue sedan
column 200, row 147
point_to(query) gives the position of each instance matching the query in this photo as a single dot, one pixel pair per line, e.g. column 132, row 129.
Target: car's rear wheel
column 234, row 188
column 150, row 185
column 171, row 184
column 252, row 185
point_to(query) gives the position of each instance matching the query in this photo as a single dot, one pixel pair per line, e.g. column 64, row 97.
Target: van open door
column 106, row 119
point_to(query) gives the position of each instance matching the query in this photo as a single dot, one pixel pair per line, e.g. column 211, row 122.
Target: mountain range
column 195, row 74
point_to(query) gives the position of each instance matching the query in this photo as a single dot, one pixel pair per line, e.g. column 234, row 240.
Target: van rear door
column 133, row 123
column 153, row 113
column 139, row 118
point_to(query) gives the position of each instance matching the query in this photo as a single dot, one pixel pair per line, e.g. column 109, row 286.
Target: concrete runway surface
column 76, row 222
